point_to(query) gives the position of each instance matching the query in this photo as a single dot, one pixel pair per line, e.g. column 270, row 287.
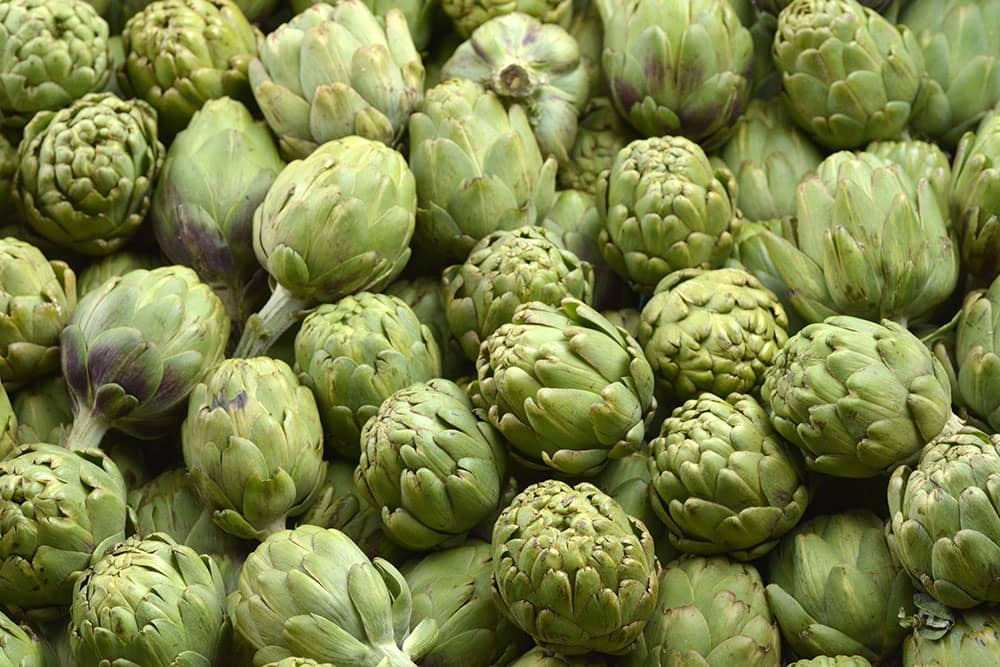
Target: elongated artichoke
column 975, row 199
column 601, row 133
column 311, row 592
column 86, row 175
column 335, row 223
column 971, row 639
column 19, row 645
column 337, row 70
column 112, row 266
column 467, row 15
column 573, row 570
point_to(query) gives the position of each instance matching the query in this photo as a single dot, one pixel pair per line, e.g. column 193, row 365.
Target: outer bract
column 918, row 159
column 857, row 397
column 54, row 52
column 112, row 266
column 181, row 53
column 664, row 208
column 573, row 570
column 468, row 15
column 711, row 331
column 849, row 75
column 149, row 602
column 215, row 174
column 601, row 134
column 87, row 172
column 354, row 354
column 478, row 170
column 678, row 66
column 19, row 646
column 833, row 661
column 836, row 590
column 975, row 198
column 37, row 298
column 503, row 271
column 60, row 511
column 336, row 223
column 565, row 387
column 723, row 481
column 972, row 641
column 311, row 592
column 134, row 350
column 710, row 612
column 337, row 70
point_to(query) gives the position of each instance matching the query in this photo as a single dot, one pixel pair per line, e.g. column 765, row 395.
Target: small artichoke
column 600, row 135
column 468, row 15
column 970, row 640
column 975, row 199
column 19, row 646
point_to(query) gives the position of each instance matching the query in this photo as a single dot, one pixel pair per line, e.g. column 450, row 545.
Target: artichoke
column 918, row 159
column 836, row 590
column 336, row 223
column 540, row 657
column 849, row 75
column 37, row 298
column 600, row 135
column 420, row 15
column 857, row 397
column 181, row 53
column 425, row 298
column 971, row 640
column 337, row 70
column 573, row 570
column 468, row 15
column 503, row 271
column 86, row 175
column 977, row 339
column 431, row 466
column 832, row 661
column 723, row 481
column 43, row 412
column 19, row 646
column 311, row 592
column 112, row 266
column 59, row 512
column 296, row 661
column 135, row 348
column 214, row 176
column 975, row 199
column 565, row 388
column 711, row 331
column 664, row 208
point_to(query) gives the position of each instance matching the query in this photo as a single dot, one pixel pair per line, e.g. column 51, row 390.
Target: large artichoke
column 975, row 198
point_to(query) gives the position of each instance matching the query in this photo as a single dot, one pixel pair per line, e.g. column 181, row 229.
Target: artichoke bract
column 150, row 602
column 835, row 589
column 918, row 159
column 711, row 612
column 431, row 466
column 679, row 67
column 111, row 266
column 337, row 70
column 420, row 15
column 711, row 331
column 60, row 512
column 573, row 570
column 534, row 64
column 468, row 15
column 601, row 133
column 971, row 640
column 504, row 270
column 849, row 75
column 135, row 348
column 214, row 176
column 975, row 199
column 310, row 592
column 478, row 170
column 181, row 53
column 19, row 646
column 86, row 173
column 857, row 397
column 37, row 298
column 565, row 387
column 724, row 482
column 354, row 354
column 664, row 208
column 335, row 223
column 54, row 52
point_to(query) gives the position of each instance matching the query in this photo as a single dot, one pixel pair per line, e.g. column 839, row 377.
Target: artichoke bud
column 977, row 343
column 975, row 198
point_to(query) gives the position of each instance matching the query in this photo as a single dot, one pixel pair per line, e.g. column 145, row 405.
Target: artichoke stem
column 87, row 432
column 264, row 328
column 514, row 81
column 273, row 528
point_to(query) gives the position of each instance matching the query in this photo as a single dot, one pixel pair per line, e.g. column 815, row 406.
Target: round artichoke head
column 977, row 345
column 975, row 199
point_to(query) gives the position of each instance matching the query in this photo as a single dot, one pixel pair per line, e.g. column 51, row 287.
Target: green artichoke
column 336, row 223
column 478, row 169
column 540, row 657
column 453, row 588
column 971, row 640
column 19, row 646
column 573, row 570
column 975, row 199
column 600, row 135
column 977, row 339
column 54, row 53
column 59, row 512
column 214, row 176
column 629, row 319
column 918, row 159
column 181, row 53
column 664, row 207
column 37, row 298
column 355, row 353
column 710, row 612
column 8, row 165
column 467, row 15
column 723, row 481
column 565, row 388
column 135, row 348
column 832, row 661
column 43, row 412
column 849, row 75
column 311, row 592
column 431, row 466
column 420, row 15
column 857, row 397
column 337, row 70
column 86, row 175
column 426, row 298
column 112, row 266
column 678, row 67
column 836, row 590
column 711, row 331
column 503, row 271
